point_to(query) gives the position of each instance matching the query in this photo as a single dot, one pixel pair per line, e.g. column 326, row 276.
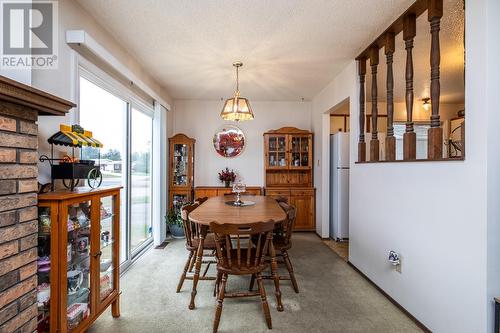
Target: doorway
column 339, row 179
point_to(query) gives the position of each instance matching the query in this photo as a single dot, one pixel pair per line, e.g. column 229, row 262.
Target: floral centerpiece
column 227, row 177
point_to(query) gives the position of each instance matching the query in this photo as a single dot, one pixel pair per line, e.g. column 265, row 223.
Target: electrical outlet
column 399, row 267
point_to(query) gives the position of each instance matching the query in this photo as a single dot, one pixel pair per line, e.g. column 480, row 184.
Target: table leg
column 197, row 266
column 276, row 277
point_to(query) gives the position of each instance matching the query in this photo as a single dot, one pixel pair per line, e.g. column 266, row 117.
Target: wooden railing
column 406, row 24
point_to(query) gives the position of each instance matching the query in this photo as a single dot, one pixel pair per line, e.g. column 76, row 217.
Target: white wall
column 434, row 214
column 61, row 82
column 493, row 89
column 200, row 120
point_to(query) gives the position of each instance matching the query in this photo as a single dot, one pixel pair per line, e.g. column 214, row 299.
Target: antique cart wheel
column 94, row 178
column 70, row 184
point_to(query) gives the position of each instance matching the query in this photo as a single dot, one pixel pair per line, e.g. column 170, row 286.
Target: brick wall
column 18, row 218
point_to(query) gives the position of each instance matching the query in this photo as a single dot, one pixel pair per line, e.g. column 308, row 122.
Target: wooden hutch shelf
column 288, row 171
column 78, row 258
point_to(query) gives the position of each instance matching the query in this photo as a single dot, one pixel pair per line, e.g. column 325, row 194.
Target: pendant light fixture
column 237, row 108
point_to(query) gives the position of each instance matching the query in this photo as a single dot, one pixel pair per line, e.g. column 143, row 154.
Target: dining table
column 256, row 208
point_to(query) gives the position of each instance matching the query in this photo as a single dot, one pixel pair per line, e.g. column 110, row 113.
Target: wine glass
column 238, row 188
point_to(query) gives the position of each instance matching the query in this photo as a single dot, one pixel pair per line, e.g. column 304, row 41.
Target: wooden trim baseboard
column 392, row 300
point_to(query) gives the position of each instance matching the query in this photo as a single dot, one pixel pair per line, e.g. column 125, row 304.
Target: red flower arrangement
column 227, row 176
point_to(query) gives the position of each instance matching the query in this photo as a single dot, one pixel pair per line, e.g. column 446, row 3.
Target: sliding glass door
column 105, row 115
column 125, row 127
column 141, row 182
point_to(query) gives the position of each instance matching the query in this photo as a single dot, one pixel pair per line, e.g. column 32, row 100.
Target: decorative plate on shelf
column 229, row 141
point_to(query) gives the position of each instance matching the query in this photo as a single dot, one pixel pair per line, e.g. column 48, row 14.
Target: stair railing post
column 374, row 142
column 361, row 142
column 435, row 133
column 409, row 138
column 390, row 140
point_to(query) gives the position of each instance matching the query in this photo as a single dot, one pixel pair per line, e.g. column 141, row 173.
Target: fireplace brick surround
column 20, row 106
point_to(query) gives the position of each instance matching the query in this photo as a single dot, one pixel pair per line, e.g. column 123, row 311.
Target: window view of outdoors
column 141, row 185
column 103, row 114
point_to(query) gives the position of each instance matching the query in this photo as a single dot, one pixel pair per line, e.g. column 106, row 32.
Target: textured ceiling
column 291, row 49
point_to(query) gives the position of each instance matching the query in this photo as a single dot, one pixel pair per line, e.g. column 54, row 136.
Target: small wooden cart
column 68, row 169
column 78, row 265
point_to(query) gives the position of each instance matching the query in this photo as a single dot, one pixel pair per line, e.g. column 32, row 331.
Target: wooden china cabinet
column 288, row 171
column 181, row 170
column 78, row 258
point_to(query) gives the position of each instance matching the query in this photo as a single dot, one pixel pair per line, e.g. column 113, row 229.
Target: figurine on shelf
column 82, row 218
column 82, row 244
column 43, row 264
column 43, row 295
column 75, row 279
column 44, row 223
column 104, row 212
column 105, row 236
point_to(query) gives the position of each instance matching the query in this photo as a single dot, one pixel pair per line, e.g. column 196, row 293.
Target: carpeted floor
column 332, row 298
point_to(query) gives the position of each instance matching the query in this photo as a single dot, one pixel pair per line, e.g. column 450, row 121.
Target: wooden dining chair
column 282, row 242
column 192, row 232
column 282, row 199
column 241, row 250
column 201, row 200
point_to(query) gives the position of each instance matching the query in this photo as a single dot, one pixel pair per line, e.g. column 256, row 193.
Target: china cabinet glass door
column 276, row 152
column 46, row 288
column 300, row 151
column 180, row 170
column 178, row 200
column 76, row 274
column 107, row 246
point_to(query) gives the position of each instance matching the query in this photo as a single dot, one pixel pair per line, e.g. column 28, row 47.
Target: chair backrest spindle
column 227, row 255
column 190, row 228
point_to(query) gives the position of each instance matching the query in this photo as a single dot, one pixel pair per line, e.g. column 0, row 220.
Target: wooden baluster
column 390, row 140
column 362, row 143
column 374, row 143
column 409, row 138
column 435, row 133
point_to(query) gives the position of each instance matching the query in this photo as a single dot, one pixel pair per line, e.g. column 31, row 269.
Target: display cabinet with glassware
column 181, row 170
column 78, row 257
column 288, row 171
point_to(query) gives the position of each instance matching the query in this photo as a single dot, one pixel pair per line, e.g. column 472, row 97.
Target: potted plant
column 174, row 223
column 227, row 177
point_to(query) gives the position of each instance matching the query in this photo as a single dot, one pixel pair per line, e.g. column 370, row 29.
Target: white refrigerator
column 339, row 186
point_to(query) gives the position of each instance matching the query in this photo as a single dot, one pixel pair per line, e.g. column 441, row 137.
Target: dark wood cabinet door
column 305, row 211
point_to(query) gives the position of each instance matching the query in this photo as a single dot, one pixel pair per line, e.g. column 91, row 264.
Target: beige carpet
column 332, row 298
